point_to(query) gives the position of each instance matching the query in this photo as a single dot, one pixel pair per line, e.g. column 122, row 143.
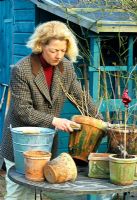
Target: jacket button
column 49, row 106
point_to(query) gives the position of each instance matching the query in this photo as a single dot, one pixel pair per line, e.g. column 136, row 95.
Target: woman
column 36, row 94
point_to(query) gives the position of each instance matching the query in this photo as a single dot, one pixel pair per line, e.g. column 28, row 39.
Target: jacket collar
column 39, row 79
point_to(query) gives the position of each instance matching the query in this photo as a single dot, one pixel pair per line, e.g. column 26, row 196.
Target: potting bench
column 82, row 186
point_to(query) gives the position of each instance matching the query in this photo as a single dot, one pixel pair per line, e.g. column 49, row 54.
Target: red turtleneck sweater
column 48, row 70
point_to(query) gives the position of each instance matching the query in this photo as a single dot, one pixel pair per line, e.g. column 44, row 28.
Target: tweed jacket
column 32, row 104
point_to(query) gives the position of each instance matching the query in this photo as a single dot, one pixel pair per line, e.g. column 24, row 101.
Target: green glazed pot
column 98, row 165
column 122, row 170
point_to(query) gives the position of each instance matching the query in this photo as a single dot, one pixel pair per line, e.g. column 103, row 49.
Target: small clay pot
column 61, row 169
column 35, row 162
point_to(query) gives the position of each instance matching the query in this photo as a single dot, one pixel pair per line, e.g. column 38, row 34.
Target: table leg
column 35, row 194
column 126, row 195
column 38, row 194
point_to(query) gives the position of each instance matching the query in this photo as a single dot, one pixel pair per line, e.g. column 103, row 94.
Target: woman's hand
column 64, row 124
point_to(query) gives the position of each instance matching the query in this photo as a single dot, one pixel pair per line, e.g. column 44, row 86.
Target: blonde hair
column 53, row 30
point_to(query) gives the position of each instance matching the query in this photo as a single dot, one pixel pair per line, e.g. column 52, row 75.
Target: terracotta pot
column 60, row 169
column 122, row 170
column 116, row 139
column 87, row 140
column 35, row 162
column 98, row 165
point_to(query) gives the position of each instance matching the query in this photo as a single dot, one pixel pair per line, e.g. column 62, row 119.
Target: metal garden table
column 82, row 186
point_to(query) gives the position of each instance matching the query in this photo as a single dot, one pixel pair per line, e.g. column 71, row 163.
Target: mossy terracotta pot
column 98, row 165
column 122, row 170
column 116, row 139
column 61, row 169
column 35, row 162
column 83, row 142
column 135, row 177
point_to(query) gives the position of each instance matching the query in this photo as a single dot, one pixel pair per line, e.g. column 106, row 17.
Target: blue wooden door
column 6, row 24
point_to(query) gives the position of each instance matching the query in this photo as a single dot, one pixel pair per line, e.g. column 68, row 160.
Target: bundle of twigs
column 81, row 104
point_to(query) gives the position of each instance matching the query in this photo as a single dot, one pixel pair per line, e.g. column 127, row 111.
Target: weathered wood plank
column 23, row 4
column 21, row 38
column 95, row 60
column 21, row 50
column 108, row 68
column 116, row 23
column 69, row 109
column 68, row 115
column 117, row 29
column 62, row 150
column 87, row 9
column 63, row 140
column 103, row 145
column 25, row 15
column 24, row 27
column 130, row 64
column 116, row 105
column 16, row 58
column 6, row 28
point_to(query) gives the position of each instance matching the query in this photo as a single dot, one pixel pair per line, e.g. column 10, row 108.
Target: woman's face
column 54, row 52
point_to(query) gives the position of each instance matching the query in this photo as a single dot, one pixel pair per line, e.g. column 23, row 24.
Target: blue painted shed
column 107, row 41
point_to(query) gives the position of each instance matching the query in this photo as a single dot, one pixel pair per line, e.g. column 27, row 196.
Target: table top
column 83, row 184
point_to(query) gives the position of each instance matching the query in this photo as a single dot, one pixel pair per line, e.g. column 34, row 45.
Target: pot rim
column 122, row 160
column 37, row 154
column 91, row 121
column 98, row 156
column 120, row 128
column 32, row 130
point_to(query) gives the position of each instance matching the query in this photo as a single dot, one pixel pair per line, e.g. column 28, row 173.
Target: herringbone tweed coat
column 32, row 104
